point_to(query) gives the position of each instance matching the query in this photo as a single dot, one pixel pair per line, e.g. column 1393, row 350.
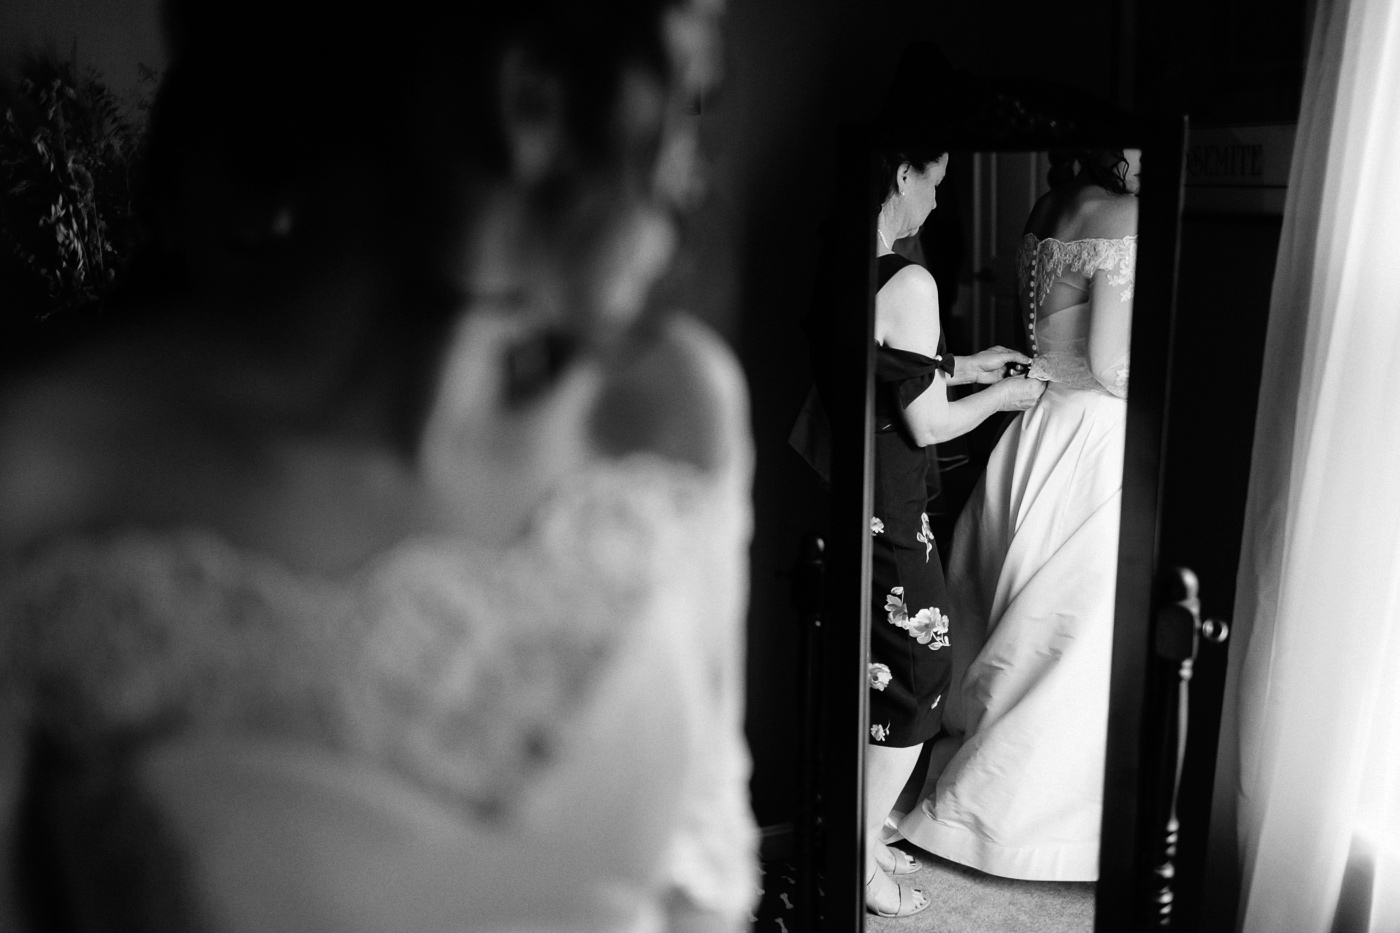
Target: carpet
column 964, row 901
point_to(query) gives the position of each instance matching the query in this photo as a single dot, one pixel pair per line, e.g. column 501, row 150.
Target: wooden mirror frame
column 1129, row 893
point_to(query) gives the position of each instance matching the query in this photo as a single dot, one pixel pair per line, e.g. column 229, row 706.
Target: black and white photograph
column 699, row 466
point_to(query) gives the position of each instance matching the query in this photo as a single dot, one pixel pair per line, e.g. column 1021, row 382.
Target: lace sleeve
column 1111, row 315
column 713, row 857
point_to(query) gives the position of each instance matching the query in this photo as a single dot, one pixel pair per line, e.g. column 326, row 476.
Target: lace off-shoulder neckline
column 632, row 472
column 1041, row 261
column 1083, row 239
column 443, row 657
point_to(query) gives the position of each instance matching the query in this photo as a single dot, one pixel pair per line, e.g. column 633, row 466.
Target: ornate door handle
column 1215, row 630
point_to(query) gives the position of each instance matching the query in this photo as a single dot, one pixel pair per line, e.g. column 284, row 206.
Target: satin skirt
column 1015, row 786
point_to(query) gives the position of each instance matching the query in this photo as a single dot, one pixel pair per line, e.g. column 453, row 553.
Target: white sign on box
column 1238, row 169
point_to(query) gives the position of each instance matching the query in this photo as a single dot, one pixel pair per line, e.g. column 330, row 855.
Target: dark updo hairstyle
column 914, row 109
column 284, row 92
column 285, row 87
column 918, row 158
column 1106, row 168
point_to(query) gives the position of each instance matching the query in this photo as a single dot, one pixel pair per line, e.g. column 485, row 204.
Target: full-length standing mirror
column 994, row 698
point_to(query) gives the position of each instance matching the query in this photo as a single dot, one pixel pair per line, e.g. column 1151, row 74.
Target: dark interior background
column 804, row 67
column 798, row 68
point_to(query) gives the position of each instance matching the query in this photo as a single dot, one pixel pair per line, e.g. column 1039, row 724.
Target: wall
column 113, row 36
column 1225, row 62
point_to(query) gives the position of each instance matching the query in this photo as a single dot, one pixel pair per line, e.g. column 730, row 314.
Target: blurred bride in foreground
column 387, row 571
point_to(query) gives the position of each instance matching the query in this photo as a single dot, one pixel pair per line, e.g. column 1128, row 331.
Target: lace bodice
column 1079, row 333
column 461, row 667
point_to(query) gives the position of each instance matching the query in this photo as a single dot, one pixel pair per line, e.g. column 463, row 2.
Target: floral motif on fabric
column 894, row 607
column 1040, row 369
column 876, row 526
column 927, row 626
column 1070, row 368
column 880, row 675
column 925, row 537
column 879, row 733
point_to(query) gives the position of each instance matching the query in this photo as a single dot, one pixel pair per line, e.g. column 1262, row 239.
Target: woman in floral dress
column 909, row 666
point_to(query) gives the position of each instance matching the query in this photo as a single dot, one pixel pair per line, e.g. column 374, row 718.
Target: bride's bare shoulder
column 77, row 435
column 1087, row 212
column 1112, row 216
column 683, row 397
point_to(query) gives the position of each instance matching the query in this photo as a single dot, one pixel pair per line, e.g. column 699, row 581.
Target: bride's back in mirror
column 1075, row 271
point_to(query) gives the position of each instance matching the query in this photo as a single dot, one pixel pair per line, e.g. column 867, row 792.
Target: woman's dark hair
column 1106, row 168
column 282, row 88
column 284, row 91
column 919, row 158
column 915, row 108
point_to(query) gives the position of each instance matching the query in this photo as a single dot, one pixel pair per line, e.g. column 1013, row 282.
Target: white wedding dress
column 1016, row 790
column 546, row 737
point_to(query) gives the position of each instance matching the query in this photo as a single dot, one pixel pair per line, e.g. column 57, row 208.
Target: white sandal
column 908, row 900
column 894, row 861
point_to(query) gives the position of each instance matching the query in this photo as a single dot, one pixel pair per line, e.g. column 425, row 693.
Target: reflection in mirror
column 1002, row 319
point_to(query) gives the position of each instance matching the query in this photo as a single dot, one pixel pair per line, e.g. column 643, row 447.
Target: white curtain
column 1311, row 741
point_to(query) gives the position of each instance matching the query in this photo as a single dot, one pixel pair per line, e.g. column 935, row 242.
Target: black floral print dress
column 910, row 664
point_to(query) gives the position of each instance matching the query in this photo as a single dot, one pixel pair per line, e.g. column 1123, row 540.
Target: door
column 1005, row 186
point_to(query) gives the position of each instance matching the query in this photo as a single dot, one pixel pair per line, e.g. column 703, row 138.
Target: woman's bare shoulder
column 1102, row 215
column 911, row 290
column 1116, row 216
column 1086, row 213
column 683, row 396
column 49, row 430
column 907, row 311
column 76, row 437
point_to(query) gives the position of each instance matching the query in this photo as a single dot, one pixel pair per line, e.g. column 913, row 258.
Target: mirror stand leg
column 1178, row 627
column 1165, row 870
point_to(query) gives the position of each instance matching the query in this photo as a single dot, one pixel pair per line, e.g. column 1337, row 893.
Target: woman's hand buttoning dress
column 340, row 590
column 1034, row 560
